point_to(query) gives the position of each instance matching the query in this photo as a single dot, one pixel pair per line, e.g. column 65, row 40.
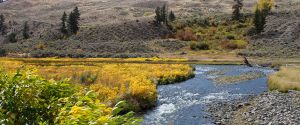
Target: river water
column 185, row 103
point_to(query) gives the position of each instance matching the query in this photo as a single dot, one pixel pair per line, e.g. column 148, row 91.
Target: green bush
column 203, row 46
column 2, row 52
column 84, row 108
column 88, row 78
column 241, row 44
column 193, row 46
column 30, row 99
column 199, row 46
column 230, row 37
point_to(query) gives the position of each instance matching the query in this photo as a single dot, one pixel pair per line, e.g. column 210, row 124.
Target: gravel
column 269, row 108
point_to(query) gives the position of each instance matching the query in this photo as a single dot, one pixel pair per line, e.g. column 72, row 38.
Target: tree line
column 69, row 26
column 11, row 37
column 163, row 16
column 262, row 9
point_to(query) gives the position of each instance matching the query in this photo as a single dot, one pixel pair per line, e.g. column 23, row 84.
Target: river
column 186, row 103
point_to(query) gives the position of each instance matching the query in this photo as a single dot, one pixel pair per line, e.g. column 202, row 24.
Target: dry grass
column 238, row 78
column 286, row 79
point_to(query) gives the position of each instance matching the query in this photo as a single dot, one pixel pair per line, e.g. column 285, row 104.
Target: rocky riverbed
column 187, row 103
column 269, row 108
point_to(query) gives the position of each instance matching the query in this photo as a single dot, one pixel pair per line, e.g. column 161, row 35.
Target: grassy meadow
column 112, row 81
column 285, row 79
column 84, row 90
column 117, row 85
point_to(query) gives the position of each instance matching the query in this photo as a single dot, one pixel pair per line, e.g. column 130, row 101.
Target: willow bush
column 26, row 98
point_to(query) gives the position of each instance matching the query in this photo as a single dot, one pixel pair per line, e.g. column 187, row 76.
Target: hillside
column 121, row 28
column 281, row 37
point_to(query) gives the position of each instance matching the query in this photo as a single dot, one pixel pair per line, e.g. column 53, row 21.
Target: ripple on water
column 185, row 103
column 221, row 96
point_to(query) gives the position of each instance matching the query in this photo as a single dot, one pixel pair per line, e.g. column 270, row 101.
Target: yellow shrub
column 265, row 4
column 113, row 82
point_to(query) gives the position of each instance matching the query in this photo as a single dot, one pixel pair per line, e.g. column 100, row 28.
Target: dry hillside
column 109, row 27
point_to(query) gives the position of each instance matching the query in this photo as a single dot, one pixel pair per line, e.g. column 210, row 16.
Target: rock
column 269, row 108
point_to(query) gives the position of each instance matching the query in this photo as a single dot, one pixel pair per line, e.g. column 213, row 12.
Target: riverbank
column 270, row 108
column 186, row 102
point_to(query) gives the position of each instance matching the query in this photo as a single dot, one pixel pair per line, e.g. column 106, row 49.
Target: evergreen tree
column 63, row 28
column 172, row 16
column 25, row 30
column 236, row 14
column 164, row 14
column 158, row 15
column 263, row 8
column 73, row 19
column 258, row 20
column 76, row 13
column 161, row 15
column 2, row 25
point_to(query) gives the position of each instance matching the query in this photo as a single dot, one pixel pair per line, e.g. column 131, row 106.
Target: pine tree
column 158, row 15
column 258, row 20
column 25, row 30
column 2, row 25
column 73, row 19
column 76, row 13
column 236, row 14
column 263, row 8
column 172, row 16
column 63, row 28
column 164, row 14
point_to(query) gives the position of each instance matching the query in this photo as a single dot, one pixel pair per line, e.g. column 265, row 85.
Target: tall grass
column 112, row 82
column 288, row 78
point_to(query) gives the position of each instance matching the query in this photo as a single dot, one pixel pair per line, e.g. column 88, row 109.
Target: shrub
column 2, row 52
column 124, row 13
column 84, row 108
column 30, row 99
column 193, row 45
column 199, row 46
column 40, row 46
column 12, row 38
column 88, row 78
column 241, row 44
column 230, row 37
column 186, row 34
column 234, row 44
column 147, row 14
column 231, row 45
column 203, row 46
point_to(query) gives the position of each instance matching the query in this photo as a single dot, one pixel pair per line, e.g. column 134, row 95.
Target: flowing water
column 185, row 103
